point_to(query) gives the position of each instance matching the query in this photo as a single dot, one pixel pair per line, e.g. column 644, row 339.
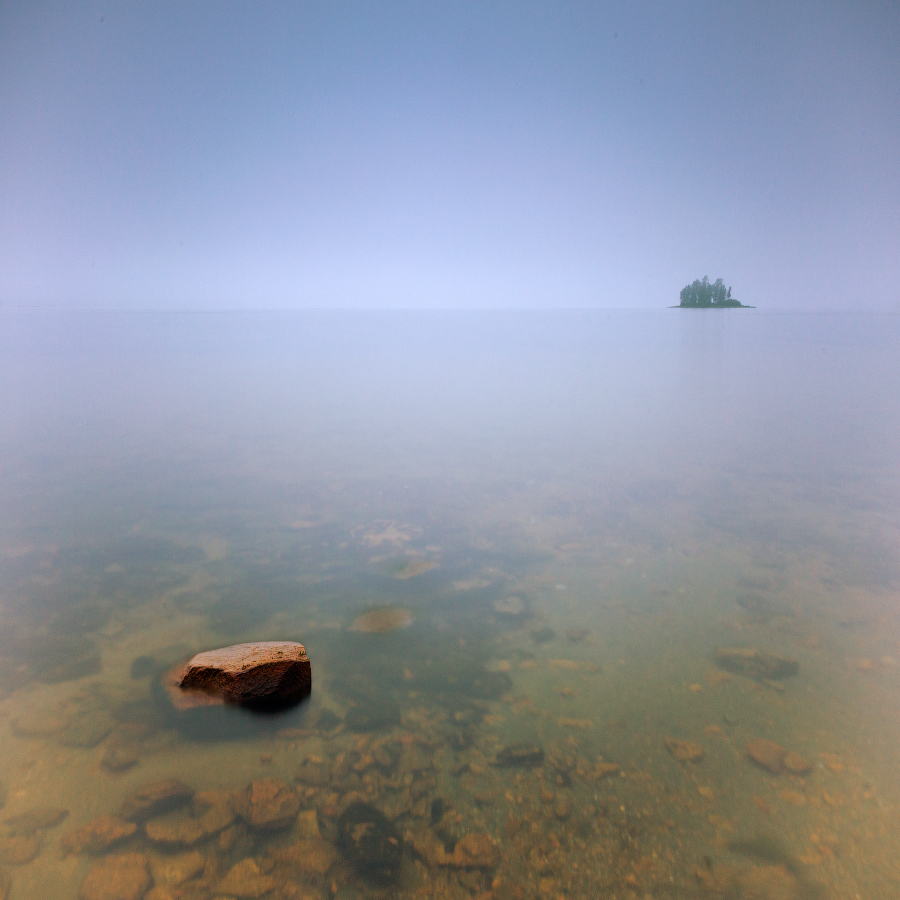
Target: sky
column 210, row 155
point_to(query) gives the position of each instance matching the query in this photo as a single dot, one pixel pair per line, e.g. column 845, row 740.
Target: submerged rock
column 39, row 818
column 308, row 856
column 246, row 879
column 171, row 871
column 685, row 751
column 796, row 764
column 143, row 667
column 98, row 836
column 18, row 849
column 543, row 634
column 520, row 755
column 767, row 754
column 413, row 567
column 374, row 717
column 267, row 804
column 85, row 731
column 370, row 842
column 267, row 674
column 155, row 799
column 124, row 876
column 753, row 663
column 381, row 619
column 513, row 606
column 776, row 759
column 211, row 813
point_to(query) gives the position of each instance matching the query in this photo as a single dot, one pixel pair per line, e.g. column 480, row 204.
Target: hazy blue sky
column 464, row 154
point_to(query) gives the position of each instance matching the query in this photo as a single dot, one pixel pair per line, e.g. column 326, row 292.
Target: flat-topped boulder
column 267, row 674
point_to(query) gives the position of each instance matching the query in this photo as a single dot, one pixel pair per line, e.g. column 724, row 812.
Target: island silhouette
column 703, row 295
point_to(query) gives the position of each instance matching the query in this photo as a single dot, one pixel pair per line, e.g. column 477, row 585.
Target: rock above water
column 264, row 674
column 755, row 664
column 121, row 877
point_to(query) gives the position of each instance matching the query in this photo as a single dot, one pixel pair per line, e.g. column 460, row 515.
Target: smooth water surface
column 566, row 515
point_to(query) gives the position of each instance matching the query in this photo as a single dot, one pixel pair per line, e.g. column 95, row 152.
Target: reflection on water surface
column 595, row 607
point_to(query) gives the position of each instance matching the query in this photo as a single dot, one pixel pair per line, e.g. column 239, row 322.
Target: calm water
column 576, row 511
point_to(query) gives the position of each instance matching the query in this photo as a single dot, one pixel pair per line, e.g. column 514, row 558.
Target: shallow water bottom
column 546, row 719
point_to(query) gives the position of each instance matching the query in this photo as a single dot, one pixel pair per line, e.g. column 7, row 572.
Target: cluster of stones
column 168, row 841
column 357, row 816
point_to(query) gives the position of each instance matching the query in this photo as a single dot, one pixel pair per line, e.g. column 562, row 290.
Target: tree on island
column 702, row 294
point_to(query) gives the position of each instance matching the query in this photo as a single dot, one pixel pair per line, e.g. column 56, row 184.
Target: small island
column 703, row 295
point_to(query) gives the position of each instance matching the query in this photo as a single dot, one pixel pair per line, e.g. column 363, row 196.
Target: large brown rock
column 264, row 674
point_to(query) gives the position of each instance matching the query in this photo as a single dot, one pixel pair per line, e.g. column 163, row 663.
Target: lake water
column 574, row 518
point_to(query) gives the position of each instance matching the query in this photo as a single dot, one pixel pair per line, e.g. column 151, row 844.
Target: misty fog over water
column 580, row 507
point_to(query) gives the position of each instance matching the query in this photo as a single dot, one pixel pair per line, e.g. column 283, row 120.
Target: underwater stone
column 264, row 674
column 143, row 667
column 246, row 879
column 121, row 877
column 39, row 818
column 755, row 664
column 155, row 799
column 18, row 849
column 370, row 842
column 520, row 755
column 767, row 754
column 267, row 804
column 98, row 836
column 684, row 751
column 543, row 634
